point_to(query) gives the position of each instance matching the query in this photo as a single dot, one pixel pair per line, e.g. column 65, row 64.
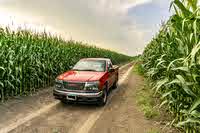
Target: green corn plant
column 172, row 63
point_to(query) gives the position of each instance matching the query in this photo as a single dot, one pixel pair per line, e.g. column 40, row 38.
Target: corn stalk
column 172, row 62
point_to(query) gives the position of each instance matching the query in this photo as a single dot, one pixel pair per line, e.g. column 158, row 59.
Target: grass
column 138, row 69
column 149, row 102
column 55, row 130
column 145, row 97
column 146, row 102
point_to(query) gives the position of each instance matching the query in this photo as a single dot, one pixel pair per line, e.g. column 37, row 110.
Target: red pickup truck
column 88, row 81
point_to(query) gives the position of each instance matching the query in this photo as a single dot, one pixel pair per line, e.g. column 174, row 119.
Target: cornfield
column 30, row 61
column 172, row 63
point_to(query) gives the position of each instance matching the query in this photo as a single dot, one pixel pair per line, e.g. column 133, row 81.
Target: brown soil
column 123, row 115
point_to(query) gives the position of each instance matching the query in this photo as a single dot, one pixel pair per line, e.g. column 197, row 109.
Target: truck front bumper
column 77, row 96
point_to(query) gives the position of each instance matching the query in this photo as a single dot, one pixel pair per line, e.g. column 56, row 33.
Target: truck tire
column 64, row 101
column 103, row 99
column 115, row 85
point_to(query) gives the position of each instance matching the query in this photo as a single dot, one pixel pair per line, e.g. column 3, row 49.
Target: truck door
column 111, row 78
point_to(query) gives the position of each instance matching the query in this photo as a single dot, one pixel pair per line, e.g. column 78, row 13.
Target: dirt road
column 40, row 113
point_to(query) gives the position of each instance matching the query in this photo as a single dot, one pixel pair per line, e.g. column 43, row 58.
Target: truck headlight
column 58, row 83
column 93, row 86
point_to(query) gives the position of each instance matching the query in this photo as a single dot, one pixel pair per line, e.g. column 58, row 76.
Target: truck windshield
column 90, row 65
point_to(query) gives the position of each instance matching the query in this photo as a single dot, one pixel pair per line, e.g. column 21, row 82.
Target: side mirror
column 111, row 70
column 70, row 67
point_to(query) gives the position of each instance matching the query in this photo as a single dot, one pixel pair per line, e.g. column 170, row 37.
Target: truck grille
column 73, row 85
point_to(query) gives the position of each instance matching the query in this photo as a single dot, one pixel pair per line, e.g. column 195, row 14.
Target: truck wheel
column 115, row 84
column 64, row 101
column 103, row 99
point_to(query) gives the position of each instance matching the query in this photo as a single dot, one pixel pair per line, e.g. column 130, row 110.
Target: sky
column 125, row 26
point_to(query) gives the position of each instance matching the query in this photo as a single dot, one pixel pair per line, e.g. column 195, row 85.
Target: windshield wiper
column 89, row 70
column 84, row 70
column 76, row 69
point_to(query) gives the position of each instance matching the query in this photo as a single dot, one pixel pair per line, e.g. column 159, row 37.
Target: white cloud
column 116, row 6
column 101, row 22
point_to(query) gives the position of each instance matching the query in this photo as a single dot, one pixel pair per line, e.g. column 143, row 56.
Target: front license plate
column 71, row 97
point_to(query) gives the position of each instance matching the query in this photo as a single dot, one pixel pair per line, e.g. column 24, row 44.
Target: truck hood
column 83, row 76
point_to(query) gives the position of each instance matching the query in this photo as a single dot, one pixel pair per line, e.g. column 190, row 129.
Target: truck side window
column 109, row 65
